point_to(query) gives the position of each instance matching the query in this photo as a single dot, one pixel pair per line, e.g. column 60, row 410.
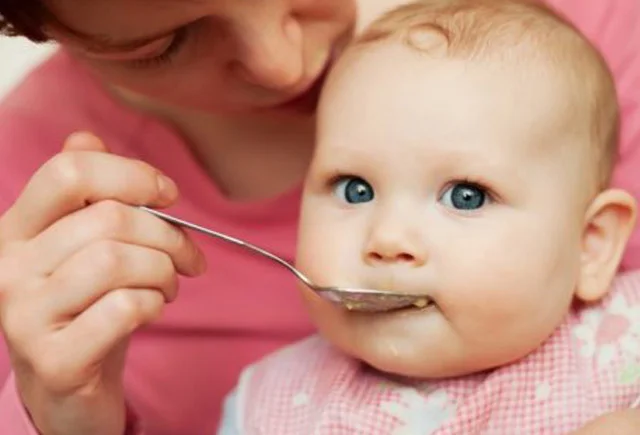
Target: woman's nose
column 394, row 242
column 271, row 56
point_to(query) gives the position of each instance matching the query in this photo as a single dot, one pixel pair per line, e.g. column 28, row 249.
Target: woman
column 216, row 97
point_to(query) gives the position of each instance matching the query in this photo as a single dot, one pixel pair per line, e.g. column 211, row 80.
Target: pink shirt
column 590, row 366
column 179, row 369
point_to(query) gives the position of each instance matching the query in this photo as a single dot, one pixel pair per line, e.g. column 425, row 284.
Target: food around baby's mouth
column 421, row 303
column 355, row 305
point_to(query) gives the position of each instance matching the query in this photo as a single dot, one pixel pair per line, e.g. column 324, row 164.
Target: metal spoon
column 356, row 299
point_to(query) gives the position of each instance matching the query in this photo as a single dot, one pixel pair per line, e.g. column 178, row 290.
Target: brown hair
column 490, row 29
column 24, row 18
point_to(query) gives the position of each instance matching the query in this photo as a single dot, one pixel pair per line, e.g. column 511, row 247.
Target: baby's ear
column 609, row 222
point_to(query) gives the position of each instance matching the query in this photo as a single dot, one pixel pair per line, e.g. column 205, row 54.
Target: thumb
column 84, row 141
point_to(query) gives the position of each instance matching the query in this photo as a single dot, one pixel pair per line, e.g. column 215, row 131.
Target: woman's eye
column 354, row 190
column 464, row 196
column 166, row 56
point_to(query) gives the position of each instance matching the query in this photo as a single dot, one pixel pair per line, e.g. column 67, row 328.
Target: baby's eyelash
column 338, row 177
column 178, row 41
column 478, row 184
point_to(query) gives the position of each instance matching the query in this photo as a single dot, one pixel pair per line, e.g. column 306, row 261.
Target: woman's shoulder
column 55, row 99
column 623, row 298
column 35, row 117
column 613, row 26
column 597, row 17
column 58, row 89
column 61, row 96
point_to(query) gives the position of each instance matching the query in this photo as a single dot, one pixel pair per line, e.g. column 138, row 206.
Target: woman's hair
column 25, row 18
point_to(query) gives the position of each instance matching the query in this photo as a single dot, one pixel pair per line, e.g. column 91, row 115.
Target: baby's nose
column 394, row 257
column 393, row 248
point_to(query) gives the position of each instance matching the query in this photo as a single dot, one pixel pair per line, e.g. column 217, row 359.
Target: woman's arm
column 626, row 422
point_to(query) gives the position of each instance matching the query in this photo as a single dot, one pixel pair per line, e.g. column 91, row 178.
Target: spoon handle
column 180, row 222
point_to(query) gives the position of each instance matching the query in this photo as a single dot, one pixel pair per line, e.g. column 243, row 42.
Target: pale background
column 18, row 56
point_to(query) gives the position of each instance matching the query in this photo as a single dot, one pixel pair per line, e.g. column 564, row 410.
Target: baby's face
column 448, row 178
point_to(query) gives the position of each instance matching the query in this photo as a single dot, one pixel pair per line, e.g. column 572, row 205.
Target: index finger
column 74, row 179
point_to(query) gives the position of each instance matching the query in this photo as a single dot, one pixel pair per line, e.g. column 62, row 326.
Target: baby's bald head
column 522, row 34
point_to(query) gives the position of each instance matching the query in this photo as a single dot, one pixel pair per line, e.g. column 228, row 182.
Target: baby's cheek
column 313, row 245
column 332, row 322
column 506, row 319
column 495, row 293
column 315, row 259
column 330, row 256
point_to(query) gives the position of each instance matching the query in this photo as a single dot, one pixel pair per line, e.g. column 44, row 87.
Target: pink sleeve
column 14, row 419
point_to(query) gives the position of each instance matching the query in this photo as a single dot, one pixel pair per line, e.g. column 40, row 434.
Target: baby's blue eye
column 464, row 196
column 354, row 190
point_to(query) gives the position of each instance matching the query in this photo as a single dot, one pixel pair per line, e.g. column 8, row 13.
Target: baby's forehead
column 387, row 99
column 391, row 89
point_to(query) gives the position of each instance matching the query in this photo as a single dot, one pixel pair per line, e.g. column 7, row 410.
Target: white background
column 18, row 56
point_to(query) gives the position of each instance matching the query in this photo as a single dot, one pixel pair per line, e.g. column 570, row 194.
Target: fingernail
column 166, row 187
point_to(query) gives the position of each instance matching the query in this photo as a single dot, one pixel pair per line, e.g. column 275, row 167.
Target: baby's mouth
column 417, row 305
column 388, row 302
column 419, row 298
column 422, row 304
column 415, row 309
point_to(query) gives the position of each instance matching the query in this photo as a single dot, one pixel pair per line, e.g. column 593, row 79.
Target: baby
column 464, row 153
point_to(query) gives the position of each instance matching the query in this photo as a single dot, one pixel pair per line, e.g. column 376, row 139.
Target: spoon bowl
column 356, row 299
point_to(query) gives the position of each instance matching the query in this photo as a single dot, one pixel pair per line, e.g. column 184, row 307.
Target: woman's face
column 211, row 55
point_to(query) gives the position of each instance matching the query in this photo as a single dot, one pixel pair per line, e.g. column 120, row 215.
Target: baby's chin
column 424, row 343
column 413, row 343
column 419, row 344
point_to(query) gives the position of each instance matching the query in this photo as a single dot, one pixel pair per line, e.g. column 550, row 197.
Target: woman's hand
column 626, row 422
column 80, row 270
